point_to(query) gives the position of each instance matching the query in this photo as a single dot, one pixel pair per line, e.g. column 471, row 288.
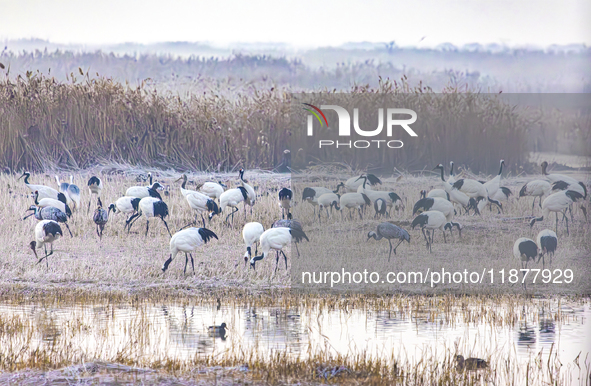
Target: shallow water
column 148, row 333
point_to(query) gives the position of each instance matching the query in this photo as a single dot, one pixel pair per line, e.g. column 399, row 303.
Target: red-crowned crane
column 46, row 232
column 391, row 232
column 60, row 203
column 127, row 205
column 292, row 224
column 328, row 200
column 152, row 207
column 277, row 239
column 95, row 186
column 312, row 194
column 231, row 198
column 391, row 198
column 285, row 196
column 493, row 185
column 557, row 202
column 547, row 243
column 432, row 220
column 251, row 234
column 456, row 196
column 187, row 241
column 145, row 191
column 535, row 188
column 251, row 198
column 525, row 250
column 212, row 189
column 354, row 201
column 439, row 204
column 43, row 191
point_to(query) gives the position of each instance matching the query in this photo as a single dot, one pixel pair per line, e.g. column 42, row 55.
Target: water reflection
column 181, row 331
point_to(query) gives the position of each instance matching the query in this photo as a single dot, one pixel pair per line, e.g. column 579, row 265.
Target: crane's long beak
column 21, row 176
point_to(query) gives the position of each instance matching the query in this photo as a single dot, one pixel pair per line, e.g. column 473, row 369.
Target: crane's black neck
column 442, row 179
column 451, row 172
column 27, row 175
column 501, row 169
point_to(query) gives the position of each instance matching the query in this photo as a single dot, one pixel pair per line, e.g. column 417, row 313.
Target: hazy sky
column 302, row 24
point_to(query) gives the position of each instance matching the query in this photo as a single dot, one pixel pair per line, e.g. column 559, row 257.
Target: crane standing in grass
column 187, row 241
column 100, row 218
column 127, row 205
column 251, row 234
column 537, row 189
column 95, row 187
column 557, row 202
column 391, row 232
column 547, row 242
column 431, row 220
column 46, row 232
column 43, row 191
column 277, row 239
column 152, row 207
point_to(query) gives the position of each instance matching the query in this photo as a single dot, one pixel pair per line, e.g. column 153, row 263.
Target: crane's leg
column 133, row 222
column 297, row 250
column 360, row 217
column 276, row 261
column 192, row 263
column 398, row 245
column 556, row 230
column 390, row 253
column 66, row 224
column 444, row 239
column 570, row 210
column 234, row 210
column 285, row 258
column 425, row 236
column 203, row 220
column 147, row 226
column 566, row 219
column 432, row 236
column 533, row 204
column 319, row 213
column 166, row 225
column 186, row 261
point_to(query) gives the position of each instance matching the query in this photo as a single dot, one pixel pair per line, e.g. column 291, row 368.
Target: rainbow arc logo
column 315, row 114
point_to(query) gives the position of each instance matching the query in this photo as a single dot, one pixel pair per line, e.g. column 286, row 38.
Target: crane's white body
column 124, row 205
column 45, row 202
column 146, row 206
column 352, row 201
column 186, row 240
column 537, row 188
column 139, row 192
column 41, row 238
column 493, row 185
column 44, row 191
column 440, row 193
column 212, row 189
column 231, row 197
column 326, row 200
column 444, row 206
column 251, row 234
column 274, row 238
column 198, row 201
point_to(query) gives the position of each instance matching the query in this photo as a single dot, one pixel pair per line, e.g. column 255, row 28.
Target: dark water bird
column 95, row 186
column 218, row 331
column 470, row 363
column 187, row 241
column 46, row 232
column 50, row 213
column 391, row 232
column 100, row 218
column 285, row 196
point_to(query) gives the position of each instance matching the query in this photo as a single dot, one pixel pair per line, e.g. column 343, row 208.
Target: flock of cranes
column 436, row 209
